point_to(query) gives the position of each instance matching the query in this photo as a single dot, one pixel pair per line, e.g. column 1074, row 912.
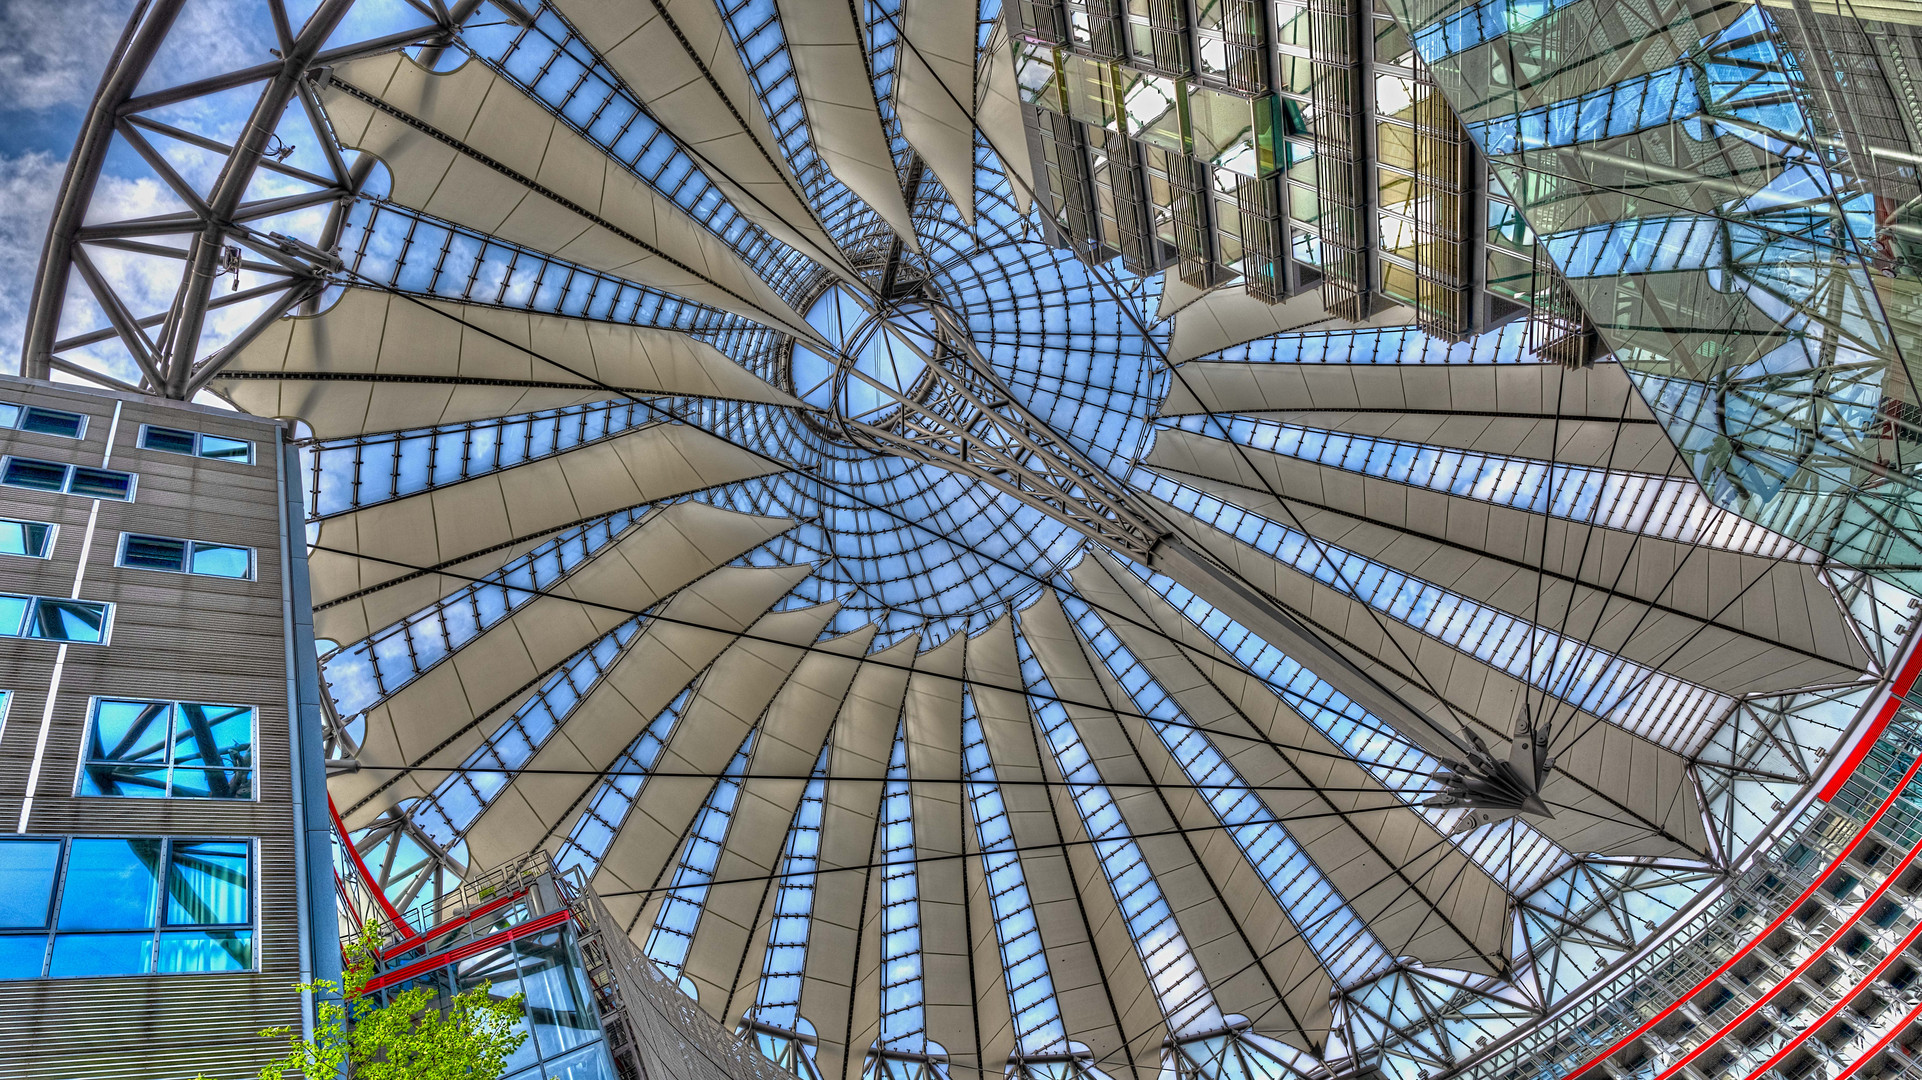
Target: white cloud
column 28, row 185
column 54, row 51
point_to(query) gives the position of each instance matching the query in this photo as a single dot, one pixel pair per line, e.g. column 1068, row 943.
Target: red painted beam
column 1860, row 835
column 1904, row 681
column 366, row 879
column 449, row 926
column 471, row 949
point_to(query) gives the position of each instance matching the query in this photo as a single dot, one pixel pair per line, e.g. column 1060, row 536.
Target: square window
column 53, row 422
column 9, row 414
column 102, row 483
column 129, row 743
column 207, row 883
column 110, row 885
column 154, row 553
column 167, row 439
column 33, row 539
column 38, row 475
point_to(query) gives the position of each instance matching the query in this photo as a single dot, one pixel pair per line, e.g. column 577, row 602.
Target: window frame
column 53, row 537
column 34, row 601
column 140, row 441
column 253, row 750
column 49, row 931
column 67, row 478
column 19, row 422
column 253, row 557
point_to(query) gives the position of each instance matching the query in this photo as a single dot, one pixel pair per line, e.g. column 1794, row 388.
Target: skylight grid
column 1024, row 960
column 882, row 49
column 1187, row 1002
column 1668, row 507
column 1319, row 912
column 1394, row 345
column 903, row 1018
column 614, row 796
column 755, row 27
column 680, row 912
column 777, row 1000
column 1519, row 857
column 1666, row 710
column 555, row 66
column 396, row 248
column 349, row 474
column 375, row 668
column 458, row 801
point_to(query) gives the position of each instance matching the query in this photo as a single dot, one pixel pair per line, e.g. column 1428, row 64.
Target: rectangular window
column 90, row 907
column 71, row 479
column 176, row 441
column 186, row 556
column 50, row 618
column 168, row 750
column 44, row 421
column 33, row 539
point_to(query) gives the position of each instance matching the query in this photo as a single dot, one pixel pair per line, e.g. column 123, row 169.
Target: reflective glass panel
column 207, row 883
column 39, row 475
column 173, row 442
column 222, row 560
column 102, row 483
column 205, row 950
column 214, row 735
column 29, row 538
column 26, row 881
column 154, row 553
column 77, row 955
column 69, row 620
column 127, row 731
column 23, row 957
column 110, row 886
column 13, row 612
column 213, row 446
column 556, row 1002
column 53, row 422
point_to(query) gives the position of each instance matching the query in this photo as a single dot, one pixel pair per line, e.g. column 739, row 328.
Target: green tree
column 405, row 1039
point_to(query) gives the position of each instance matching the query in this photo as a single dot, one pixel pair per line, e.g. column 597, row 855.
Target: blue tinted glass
column 23, row 957
column 110, row 885
column 100, row 954
column 13, row 612
column 556, row 1001
column 587, row 1063
column 212, row 784
column 174, row 442
column 30, row 538
column 53, row 422
column 26, row 881
column 129, row 731
column 9, row 414
column 214, row 735
column 40, row 475
column 213, row 446
column 123, row 781
column 154, row 553
column 207, row 884
column 68, row 620
column 219, row 560
column 205, row 950
column 101, row 483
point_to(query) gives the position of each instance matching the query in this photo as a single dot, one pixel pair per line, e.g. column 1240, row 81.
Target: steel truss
column 217, row 234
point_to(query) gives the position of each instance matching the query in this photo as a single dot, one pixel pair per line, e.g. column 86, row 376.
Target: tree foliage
column 405, row 1039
